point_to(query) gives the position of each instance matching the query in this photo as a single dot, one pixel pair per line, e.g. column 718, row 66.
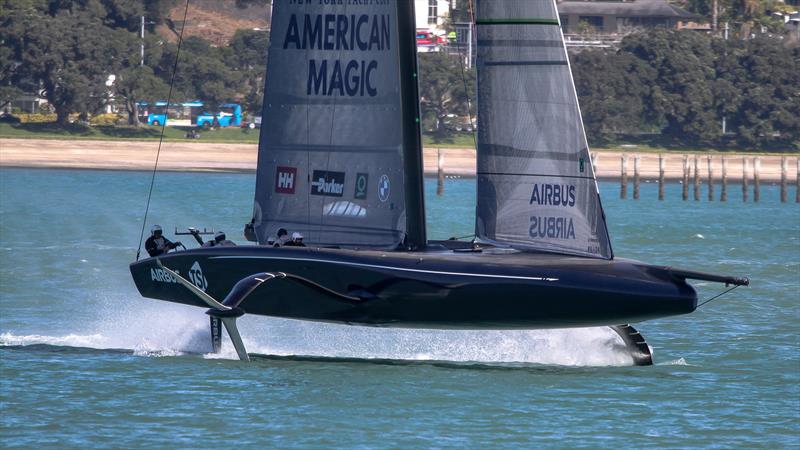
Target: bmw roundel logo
column 383, row 188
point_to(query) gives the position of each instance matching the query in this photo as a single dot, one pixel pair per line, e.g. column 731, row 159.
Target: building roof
column 637, row 8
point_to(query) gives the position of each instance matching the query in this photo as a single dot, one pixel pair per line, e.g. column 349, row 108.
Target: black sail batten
column 536, row 184
column 339, row 149
column 412, row 137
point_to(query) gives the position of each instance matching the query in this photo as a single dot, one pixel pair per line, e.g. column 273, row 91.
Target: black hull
column 436, row 288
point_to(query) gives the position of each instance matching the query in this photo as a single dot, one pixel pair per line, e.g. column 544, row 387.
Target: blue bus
column 227, row 115
column 191, row 113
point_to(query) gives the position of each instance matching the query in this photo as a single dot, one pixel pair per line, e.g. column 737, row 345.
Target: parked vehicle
column 427, row 41
column 227, row 115
column 191, row 113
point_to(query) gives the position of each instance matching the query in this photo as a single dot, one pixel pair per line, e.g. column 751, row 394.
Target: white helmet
column 296, row 236
column 154, row 229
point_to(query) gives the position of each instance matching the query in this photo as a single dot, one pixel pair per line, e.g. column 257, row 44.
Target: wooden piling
column 623, row 187
column 661, row 164
column 696, row 178
column 439, row 172
column 636, row 177
column 710, row 178
column 784, row 177
column 723, row 197
column 756, row 179
column 745, row 177
column 685, row 190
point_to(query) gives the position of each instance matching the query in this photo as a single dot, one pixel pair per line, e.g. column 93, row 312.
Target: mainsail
column 536, row 184
column 336, row 150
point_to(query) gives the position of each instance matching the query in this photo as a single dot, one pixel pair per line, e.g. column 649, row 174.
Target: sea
column 86, row 362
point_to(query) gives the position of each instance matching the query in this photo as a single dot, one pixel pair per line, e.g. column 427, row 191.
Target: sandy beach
column 213, row 157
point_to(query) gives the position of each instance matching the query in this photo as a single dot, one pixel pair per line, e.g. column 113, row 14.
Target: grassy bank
column 125, row 133
column 239, row 136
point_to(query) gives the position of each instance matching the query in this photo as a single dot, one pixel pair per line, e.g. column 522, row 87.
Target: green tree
column 682, row 96
column 202, row 72
column 769, row 83
column 613, row 88
column 443, row 95
column 66, row 47
column 134, row 84
column 247, row 54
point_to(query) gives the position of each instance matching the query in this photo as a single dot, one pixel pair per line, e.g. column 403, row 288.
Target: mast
column 412, row 139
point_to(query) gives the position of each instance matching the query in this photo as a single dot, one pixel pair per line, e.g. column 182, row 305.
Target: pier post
column 710, row 179
column 756, row 179
column 439, row 172
column 685, row 190
column 623, row 187
column 723, row 197
column 745, row 177
column 661, row 164
column 636, row 177
column 784, row 176
column 696, row 178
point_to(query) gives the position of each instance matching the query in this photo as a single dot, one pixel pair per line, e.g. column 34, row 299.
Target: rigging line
column 718, row 295
column 458, row 238
column 464, row 77
column 163, row 128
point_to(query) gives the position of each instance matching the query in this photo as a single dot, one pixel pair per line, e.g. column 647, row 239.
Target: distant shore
column 214, row 157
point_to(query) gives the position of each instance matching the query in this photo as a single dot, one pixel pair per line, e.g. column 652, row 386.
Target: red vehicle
column 429, row 42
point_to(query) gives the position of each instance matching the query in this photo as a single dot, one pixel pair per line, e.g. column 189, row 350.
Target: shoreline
column 191, row 156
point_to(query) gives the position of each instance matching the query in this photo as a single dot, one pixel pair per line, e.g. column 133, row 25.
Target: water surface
column 86, row 361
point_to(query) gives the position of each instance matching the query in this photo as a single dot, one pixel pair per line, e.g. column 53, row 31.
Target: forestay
column 330, row 160
column 536, row 184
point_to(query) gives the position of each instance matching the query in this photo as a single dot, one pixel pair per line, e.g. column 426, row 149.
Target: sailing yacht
column 340, row 161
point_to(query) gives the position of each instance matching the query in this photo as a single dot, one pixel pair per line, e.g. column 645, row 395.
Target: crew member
column 219, row 241
column 283, row 238
column 157, row 244
column 297, row 240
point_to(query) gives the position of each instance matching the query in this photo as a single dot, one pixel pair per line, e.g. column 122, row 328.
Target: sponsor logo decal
column 331, row 35
column 551, row 227
column 284, row 179
column 383, row 188
column 196, row 276
column 362, row 180
column 553, row 194
column 330, row 184
column 161, row 275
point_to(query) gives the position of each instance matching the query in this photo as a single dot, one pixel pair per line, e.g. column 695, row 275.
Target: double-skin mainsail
column 340, row 155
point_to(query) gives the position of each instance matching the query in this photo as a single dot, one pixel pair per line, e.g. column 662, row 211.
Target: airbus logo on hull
column 330, row 184
column 162, row 276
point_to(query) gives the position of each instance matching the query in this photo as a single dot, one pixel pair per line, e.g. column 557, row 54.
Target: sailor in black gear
column 157, row 244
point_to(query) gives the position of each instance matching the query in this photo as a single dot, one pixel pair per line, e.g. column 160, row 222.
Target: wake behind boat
column 340, row 161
